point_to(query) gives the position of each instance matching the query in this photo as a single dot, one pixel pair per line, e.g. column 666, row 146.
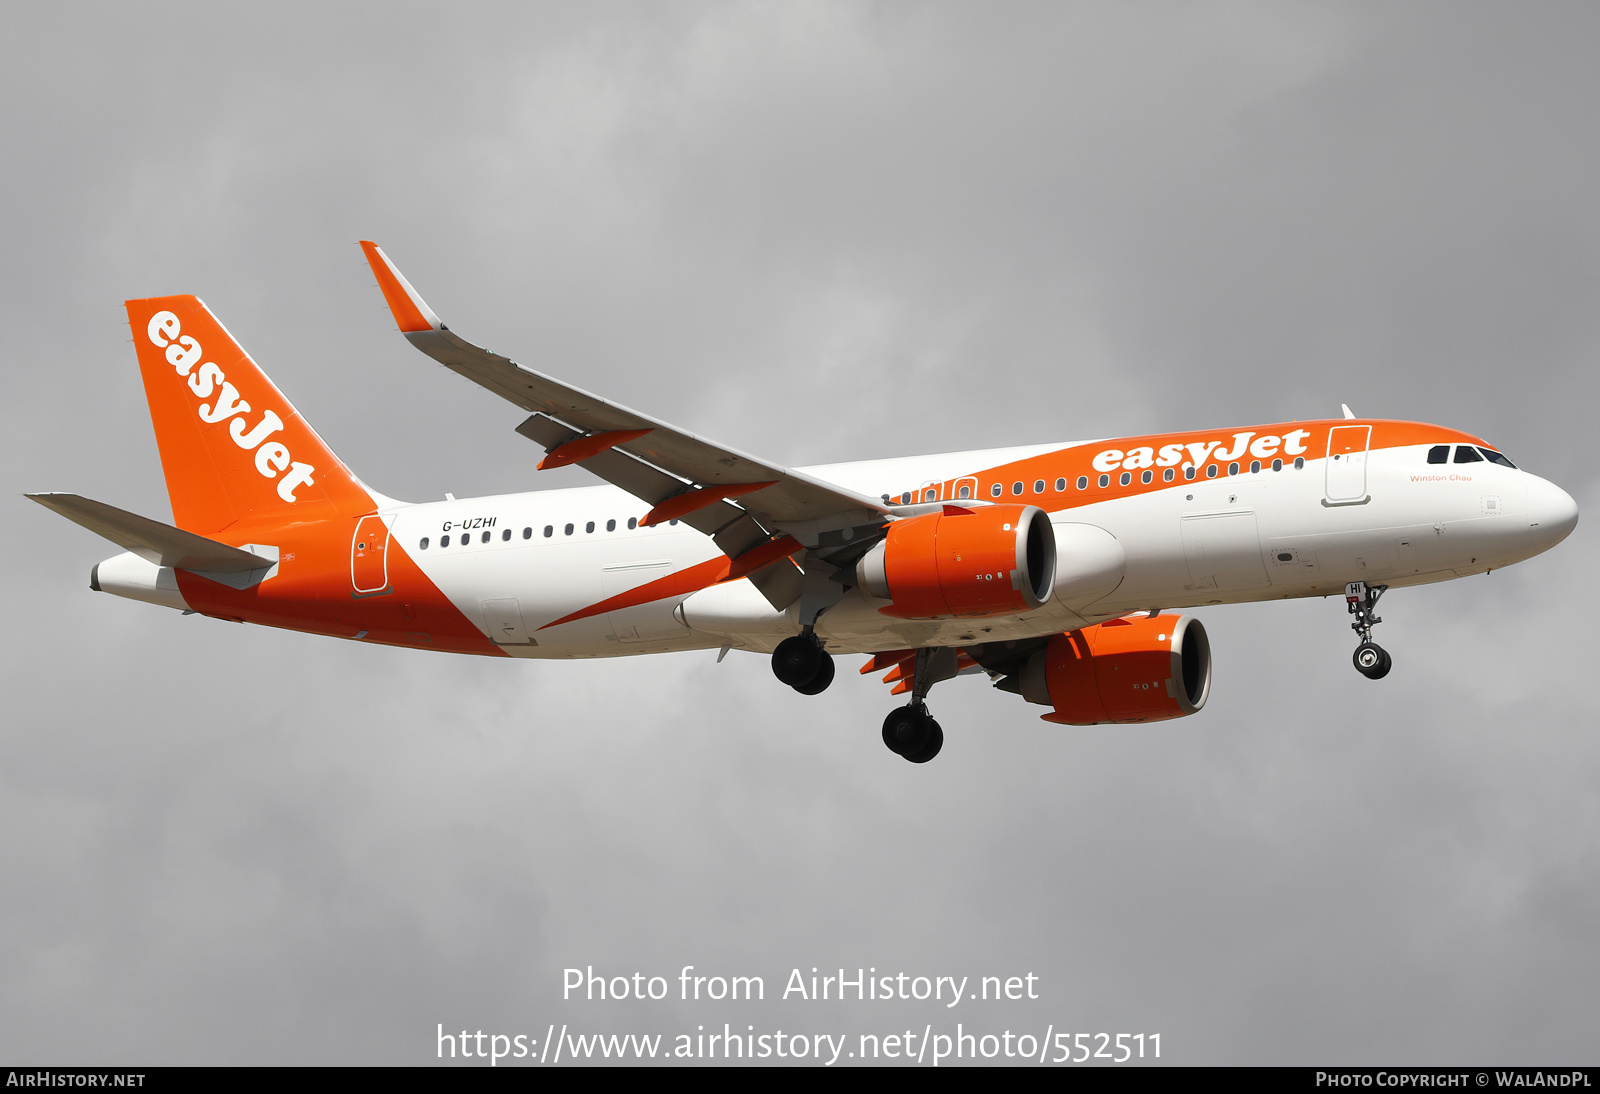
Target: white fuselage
column 1230, row 539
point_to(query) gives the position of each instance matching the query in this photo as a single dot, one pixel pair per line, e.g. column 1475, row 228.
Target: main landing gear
column 802, row 663
column 1371, row 660
column 910, row 731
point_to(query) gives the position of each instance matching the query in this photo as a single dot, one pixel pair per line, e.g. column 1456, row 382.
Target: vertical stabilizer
column 233, row 449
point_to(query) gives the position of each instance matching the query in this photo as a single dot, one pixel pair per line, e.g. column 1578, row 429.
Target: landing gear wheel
column 1372, row 661
column 797, row 660
column 931, row 749
column 819, row 682
column 908, row 729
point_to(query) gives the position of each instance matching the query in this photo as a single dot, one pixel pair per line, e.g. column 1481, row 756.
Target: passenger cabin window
column 1083, row 482
column 1189, row 472
column 611, row 526
column 1277, row 465
column 1211, row 470
column 995, row 490
column 1038, row 486
column 1167, row 475
column 1465, row 453
column 1255, row 466
column 964, row 492
column 567, row 531
column 633, row 522
column 1299, row 462
column 589, row 527
column 424, row 544
column 444, row 541
column 1233, row 469
column 1494, row 457
column 506, row 534
column 486, row 535
column 1016, row 488
column 1146, row 477
column 1105, row 481
column 549, row 530
column 1439, row 453
column 527, row 533
column 1127, row 477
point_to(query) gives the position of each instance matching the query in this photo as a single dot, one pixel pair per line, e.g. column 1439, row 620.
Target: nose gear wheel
column 1361, row 600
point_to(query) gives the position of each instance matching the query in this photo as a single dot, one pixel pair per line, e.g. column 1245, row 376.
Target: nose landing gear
column 1361, row 600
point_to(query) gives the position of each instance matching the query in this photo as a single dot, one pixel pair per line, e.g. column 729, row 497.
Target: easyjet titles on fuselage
column 1264, row 447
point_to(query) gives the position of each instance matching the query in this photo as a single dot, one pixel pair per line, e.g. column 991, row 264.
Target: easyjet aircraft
column 1050, row 567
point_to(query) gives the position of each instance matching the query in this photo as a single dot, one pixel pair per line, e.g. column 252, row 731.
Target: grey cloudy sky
column 820, row 232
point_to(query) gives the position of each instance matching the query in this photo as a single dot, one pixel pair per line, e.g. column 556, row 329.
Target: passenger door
column 369, row 556
column 1346, row 465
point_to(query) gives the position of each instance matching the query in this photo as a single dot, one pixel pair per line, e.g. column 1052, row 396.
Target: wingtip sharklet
column 411, row 313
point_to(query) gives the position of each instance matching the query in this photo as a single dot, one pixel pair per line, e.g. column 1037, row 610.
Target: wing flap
column 157, row 543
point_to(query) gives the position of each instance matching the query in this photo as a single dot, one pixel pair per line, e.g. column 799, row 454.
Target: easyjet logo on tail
column 208, row 382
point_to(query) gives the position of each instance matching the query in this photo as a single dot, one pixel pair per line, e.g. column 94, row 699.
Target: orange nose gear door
column 369, row 563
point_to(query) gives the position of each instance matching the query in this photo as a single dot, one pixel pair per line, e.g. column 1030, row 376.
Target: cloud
column 819, row 232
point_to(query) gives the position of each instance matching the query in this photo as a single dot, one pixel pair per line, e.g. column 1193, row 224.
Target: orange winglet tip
column 901, row 688
column 899, row 672
column 592, row 444
column 410, row 313
column 681, row 505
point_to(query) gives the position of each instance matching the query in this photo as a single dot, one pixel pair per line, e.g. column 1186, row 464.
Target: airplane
column 1059, row 570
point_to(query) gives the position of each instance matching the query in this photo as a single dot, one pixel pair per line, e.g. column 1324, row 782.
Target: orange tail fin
column 233, row 449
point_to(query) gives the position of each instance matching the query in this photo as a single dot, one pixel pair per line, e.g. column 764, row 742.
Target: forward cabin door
column 1346, row 465
column 369, row 556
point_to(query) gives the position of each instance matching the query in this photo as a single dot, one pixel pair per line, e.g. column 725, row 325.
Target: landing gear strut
column 910, row 731
column 1371, row 660
column 802, row 663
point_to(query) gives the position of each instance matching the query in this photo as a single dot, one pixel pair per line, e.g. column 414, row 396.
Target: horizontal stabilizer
column 158, row 543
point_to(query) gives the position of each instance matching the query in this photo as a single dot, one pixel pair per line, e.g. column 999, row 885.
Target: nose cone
column 1552, row 514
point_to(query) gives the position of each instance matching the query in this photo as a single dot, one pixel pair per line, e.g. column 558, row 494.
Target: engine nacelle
column 963, row 562
column 1144, row 669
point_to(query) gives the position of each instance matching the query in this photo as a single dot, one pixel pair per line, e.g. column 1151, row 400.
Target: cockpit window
column 1465, row 453
column 1494, row 457
column 1439, row 453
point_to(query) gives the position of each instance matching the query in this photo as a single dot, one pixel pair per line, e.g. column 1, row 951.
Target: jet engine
column 1143, row 669
column 963, row 562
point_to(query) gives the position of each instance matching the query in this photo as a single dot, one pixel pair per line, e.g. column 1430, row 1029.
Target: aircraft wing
column 684, row 476
column 157, row 543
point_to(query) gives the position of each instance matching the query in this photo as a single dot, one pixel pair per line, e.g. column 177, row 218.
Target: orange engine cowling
column 963, row 562
column 1143, row 669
